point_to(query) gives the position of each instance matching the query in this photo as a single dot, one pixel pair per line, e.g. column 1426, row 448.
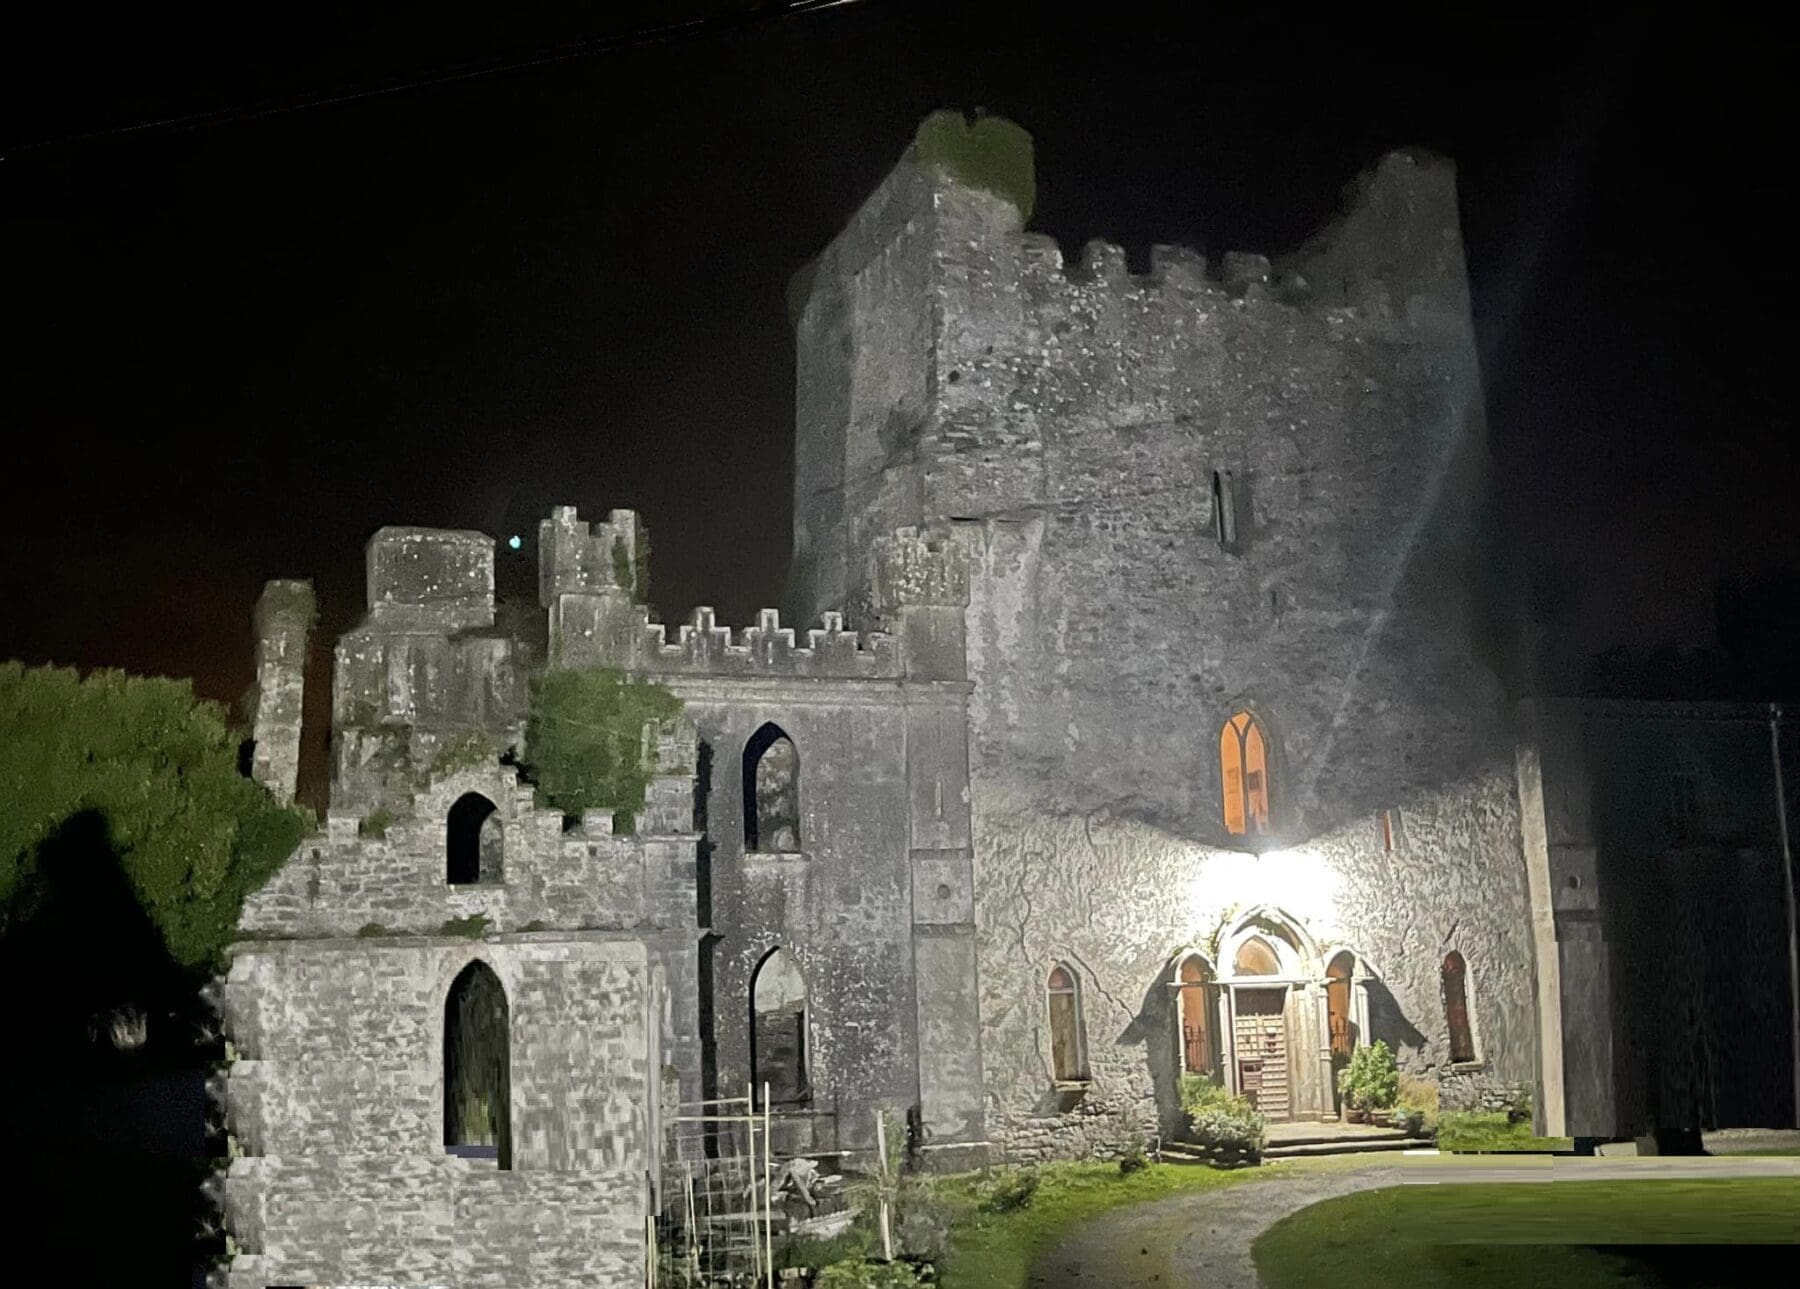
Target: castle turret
column 589, row 579
column 284, row 616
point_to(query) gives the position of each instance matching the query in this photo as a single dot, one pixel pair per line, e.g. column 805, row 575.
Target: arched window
column 1068, row 1053
column 1339, row 1012
column 1244, row 764
column 474, row 848
column 477, row 1067
column 778, row 1029
column 1456, row 1007
column 1257, row 957
column 771, row 791
column 1194, row 1012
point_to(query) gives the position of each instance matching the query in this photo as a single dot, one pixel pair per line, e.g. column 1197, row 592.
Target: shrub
column 584, row 740
column 465, row 752
column 1370, row 1081
column 1012, row 1190
column 1228, row 1126
column 1133, row 1158
column 139, row 777
column 868, row 1275
column 1518, row 1107
column 1417, row 1108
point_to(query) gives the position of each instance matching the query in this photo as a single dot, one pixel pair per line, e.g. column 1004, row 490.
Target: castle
column 1135, row 728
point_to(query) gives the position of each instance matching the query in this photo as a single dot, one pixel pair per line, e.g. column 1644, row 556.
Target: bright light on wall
column 1300, row 881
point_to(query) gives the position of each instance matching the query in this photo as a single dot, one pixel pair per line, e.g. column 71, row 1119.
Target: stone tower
column 1205, row 495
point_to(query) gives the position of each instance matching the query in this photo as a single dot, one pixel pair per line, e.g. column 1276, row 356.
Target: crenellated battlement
column 702, row 647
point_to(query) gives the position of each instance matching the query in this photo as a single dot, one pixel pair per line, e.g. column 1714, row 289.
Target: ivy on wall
column 151, row 774
column 584, row 740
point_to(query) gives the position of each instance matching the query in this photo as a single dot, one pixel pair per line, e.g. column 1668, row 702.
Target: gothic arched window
column 771, row 791
column 1244, row 767
column 778, row 1029
column 474, row 848
column 477, row 1067
column 1068, row 1051
column 1256, row 957
column 1456, row 1007
column 1194, row 1013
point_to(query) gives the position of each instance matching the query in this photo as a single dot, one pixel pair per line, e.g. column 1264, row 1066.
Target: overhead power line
column 566, row 51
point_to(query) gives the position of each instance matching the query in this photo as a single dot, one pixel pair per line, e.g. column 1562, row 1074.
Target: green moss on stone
column 472, row 927
column 986, row 152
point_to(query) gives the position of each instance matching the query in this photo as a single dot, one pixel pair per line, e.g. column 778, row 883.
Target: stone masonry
column 1057, row 527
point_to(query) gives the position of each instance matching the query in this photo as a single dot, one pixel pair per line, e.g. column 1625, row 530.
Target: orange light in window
column 1244, row 767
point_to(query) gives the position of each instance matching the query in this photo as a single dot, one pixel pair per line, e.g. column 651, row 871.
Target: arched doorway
column 778, row 1030
column 1274, row 1016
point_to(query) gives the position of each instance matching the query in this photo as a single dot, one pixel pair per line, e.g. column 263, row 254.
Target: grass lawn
column 1476, row 1132
column 996, row 1250
column 1561, row 1235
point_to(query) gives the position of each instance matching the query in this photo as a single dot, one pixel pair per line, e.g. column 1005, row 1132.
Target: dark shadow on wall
column 1153, row 1028
column 103, row 1081
column 1387, row 1023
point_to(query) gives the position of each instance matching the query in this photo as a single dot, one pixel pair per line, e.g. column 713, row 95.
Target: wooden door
column 1260, row 1032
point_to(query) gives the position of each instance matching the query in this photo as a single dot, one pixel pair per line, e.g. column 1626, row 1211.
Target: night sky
column 237, row 349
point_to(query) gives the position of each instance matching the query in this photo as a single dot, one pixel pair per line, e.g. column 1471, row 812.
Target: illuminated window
column 1456, row 1007
column 473, row 845
column 1339, row 1014
column 1195, row 1015
column 1067, row 1051
column 771, row 791
column 1257, row 957
column 1244, row 764
column 477, row 1067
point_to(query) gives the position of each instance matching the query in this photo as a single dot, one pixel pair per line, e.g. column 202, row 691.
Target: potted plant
column 1370, row 1084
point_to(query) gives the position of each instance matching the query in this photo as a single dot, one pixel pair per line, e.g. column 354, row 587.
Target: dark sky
column 235, row 350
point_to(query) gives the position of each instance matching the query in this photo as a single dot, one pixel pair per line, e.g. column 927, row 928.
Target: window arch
column 771, row 791
column 1068, row 1048
column 1256, row 957
column 474, row 846
column 477, row 1067
column 1244, row 770
column 778, row 1029
column 1456, row 1007
column 1194, row 1011
column 1340, row 1012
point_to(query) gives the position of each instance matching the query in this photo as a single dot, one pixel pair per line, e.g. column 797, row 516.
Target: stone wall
column 1068, row 425
column 337, row 1102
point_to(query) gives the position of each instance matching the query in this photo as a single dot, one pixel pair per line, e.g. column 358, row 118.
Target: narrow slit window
column 1224, row 509
column 1456, row 1007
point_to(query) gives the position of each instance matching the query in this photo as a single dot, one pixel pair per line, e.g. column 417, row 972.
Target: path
column 1203, row 1240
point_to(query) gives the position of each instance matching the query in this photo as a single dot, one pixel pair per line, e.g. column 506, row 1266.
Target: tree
column 137, row 776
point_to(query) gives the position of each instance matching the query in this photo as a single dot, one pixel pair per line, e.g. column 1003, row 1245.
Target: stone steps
column 1313, row 1148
